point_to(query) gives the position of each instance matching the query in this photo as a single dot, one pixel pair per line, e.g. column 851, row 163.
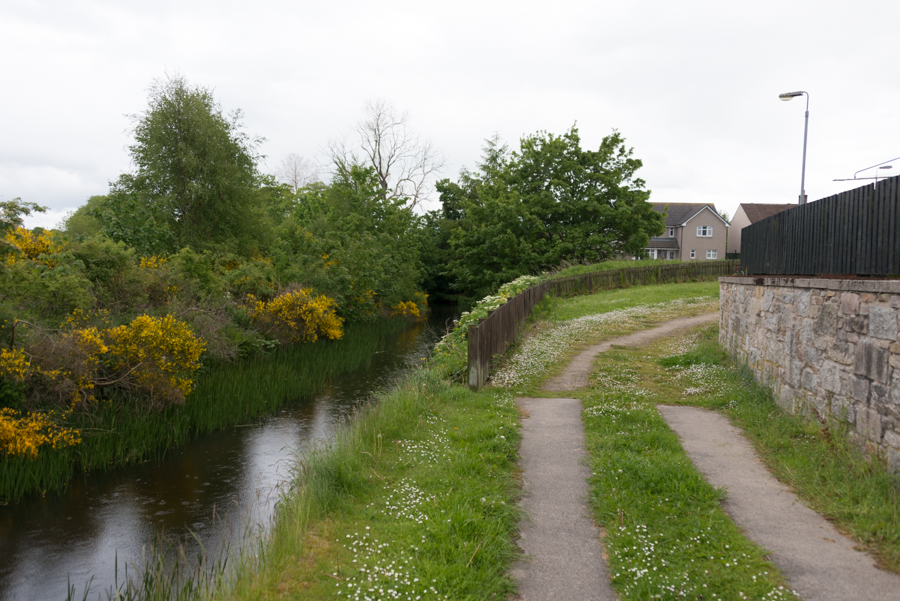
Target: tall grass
column 119, row 432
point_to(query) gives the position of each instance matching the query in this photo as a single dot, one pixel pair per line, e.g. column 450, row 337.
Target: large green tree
column 196, row 177
column 550, row 201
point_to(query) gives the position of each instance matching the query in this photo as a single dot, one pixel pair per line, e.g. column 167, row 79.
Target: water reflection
column 216, row 487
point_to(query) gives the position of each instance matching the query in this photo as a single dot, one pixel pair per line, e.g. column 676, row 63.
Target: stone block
column 879, row 394
column 882, row 322
column 868, row 424
column 802, row 302
column 830, row 376
column 859, row 388
column 786, row 399
column 895, row 388
column 858, row 324
column 849, row 303
column 895, row 301
column 787, row 298
column 892, row 438
column 893, row 459
column 872, row 361
column 827, row 320
column 808, row 380
column 842, row 409
column 842, row 352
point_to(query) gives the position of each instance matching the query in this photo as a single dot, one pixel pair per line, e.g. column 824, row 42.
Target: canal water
column 218, row 491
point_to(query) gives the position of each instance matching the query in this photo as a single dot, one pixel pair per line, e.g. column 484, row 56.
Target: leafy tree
column 11, row 212
column 196, row 175
column 548, row 202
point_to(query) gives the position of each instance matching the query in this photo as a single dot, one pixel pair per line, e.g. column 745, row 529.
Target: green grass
column 117, row 433
column 818, row 461
column 608, row 266
column 666, row 533
column 562, row 309
column 415, row 497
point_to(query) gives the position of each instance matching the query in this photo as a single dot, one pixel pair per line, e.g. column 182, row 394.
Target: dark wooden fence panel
column 856, row 232
column 493, row 335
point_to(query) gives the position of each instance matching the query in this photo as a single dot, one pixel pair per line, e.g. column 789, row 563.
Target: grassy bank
column 120, row 433
column 817, row 461
column 414, row 499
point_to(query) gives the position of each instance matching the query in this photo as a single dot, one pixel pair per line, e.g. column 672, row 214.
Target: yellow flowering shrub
column 154, row 262
column 23, row 435
column 160, row 354
column 405, row 309
column 297, row 316
column 31, row 244
column 14, row 364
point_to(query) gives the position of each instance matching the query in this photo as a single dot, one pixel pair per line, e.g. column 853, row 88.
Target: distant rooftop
column 680, row 212
column 757, row 212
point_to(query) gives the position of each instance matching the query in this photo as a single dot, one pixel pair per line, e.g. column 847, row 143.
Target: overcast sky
column 693, row 85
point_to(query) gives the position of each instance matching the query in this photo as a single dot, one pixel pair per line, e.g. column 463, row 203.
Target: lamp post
column 787, row 96
column 880, row 168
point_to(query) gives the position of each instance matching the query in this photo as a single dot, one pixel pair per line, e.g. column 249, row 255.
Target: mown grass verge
column 120, row 432
column 666, row 534
column 414, row 499
column 816, row 460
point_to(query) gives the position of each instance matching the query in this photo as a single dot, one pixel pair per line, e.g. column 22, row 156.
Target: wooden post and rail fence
column 493, row 335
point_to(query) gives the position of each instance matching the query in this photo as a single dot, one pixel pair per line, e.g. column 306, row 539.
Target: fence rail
column 852, row 233
column 497, row 332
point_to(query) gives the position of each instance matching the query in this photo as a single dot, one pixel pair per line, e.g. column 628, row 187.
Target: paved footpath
column 563, row 556
column 818, row 561
column 563, row 553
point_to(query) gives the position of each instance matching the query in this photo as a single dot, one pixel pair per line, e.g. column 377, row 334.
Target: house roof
column 757, row 212
column 663, row 243
column 682, row 212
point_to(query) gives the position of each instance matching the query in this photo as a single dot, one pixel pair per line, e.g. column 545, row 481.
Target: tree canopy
column 196, row 177
column 549, row 202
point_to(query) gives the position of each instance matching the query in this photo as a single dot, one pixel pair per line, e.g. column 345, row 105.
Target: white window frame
column 693, row 254
column 704, row 231
column 712, row 254
column 652, row 253
column 671, row 232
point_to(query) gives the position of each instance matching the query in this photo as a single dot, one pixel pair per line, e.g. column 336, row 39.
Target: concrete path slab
column 576, row 373
column 563, row 554
column 819, row 562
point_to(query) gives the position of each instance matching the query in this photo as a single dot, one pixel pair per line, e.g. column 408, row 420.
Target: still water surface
column 217, row 487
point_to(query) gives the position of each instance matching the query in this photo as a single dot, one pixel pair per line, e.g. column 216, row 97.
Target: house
column 693, row 231
column 748, row 214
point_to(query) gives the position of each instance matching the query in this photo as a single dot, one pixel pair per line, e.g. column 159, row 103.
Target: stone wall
column 826, row 347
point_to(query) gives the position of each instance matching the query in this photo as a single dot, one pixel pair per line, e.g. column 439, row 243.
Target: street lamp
column 877, row 170
column 787, row 96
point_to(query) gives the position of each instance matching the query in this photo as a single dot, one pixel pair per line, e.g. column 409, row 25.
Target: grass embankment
column 415, row 499
column 118, row 434
column 664, row 530
column 830, row 473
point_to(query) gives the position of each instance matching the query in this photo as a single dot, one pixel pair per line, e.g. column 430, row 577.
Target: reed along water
column 217, row 491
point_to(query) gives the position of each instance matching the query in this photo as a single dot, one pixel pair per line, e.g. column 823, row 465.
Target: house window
column 652, row 253
column 671, row 232
column 693, row 254
column 704, row 231
column 712, row 254
column 671, row 254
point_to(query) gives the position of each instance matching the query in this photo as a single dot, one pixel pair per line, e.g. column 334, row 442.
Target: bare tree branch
column 404, row 164
column 296, row 171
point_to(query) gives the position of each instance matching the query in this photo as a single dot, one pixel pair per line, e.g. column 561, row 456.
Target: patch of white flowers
column 547, row 347
column 381, row 578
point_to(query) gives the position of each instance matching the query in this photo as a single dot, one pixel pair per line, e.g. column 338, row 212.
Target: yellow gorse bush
column 14, row 364
column 405, row 309
column 297, row 316
column 31, row 245
column 23, row 435
column 153, row 262
column 160, row 353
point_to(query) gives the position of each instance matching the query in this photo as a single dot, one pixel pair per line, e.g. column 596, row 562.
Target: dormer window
column 671, row 232
column 704, row 231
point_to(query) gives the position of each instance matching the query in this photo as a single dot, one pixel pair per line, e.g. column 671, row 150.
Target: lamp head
column 788, row 95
